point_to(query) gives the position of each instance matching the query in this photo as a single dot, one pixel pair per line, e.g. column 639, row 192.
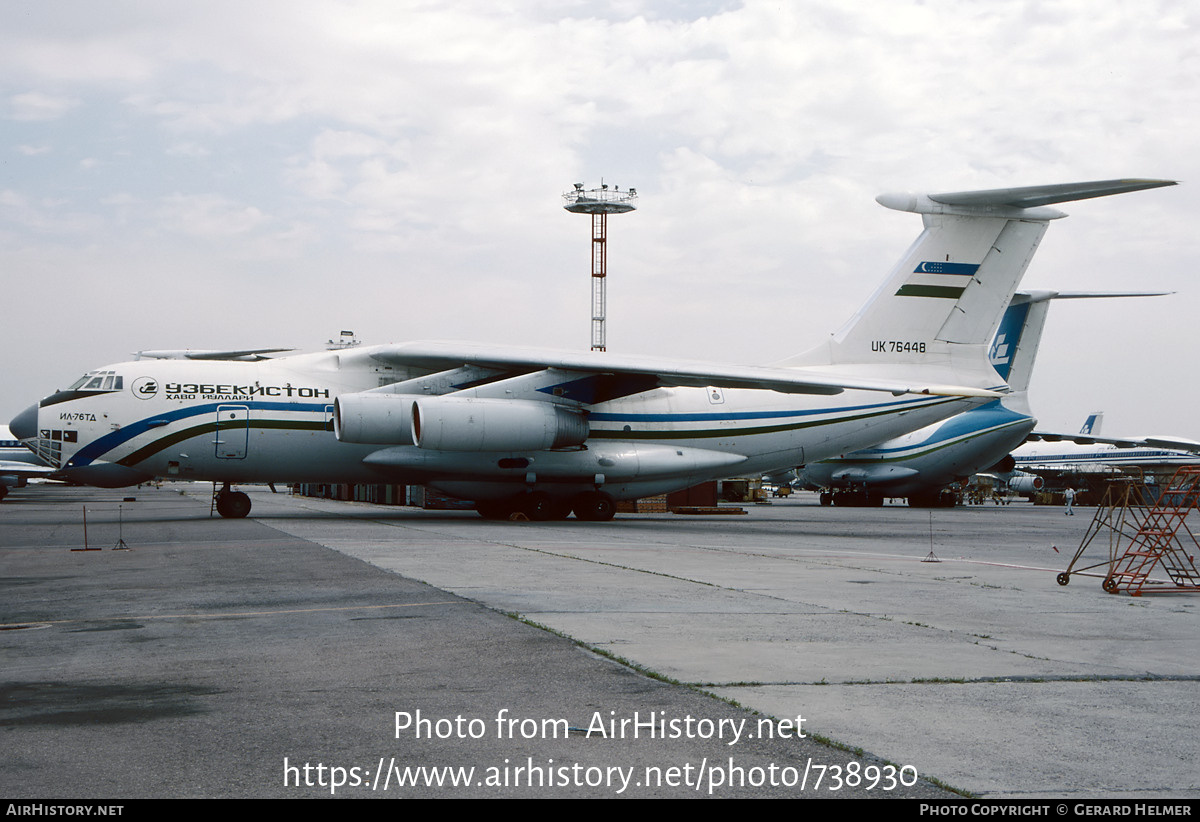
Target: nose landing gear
column 229, row 503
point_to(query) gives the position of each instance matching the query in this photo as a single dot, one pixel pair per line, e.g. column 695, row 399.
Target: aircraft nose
column 24, row 426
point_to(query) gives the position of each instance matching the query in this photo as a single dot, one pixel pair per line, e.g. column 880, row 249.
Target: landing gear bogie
column 539, row 506
column 535, row 506
column 853, row 498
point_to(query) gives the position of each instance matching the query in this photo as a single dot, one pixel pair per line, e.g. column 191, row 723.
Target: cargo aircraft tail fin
column 942, row 303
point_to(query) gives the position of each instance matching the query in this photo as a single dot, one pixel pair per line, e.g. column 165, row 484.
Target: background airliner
column 17, row 463
column 1086, row 453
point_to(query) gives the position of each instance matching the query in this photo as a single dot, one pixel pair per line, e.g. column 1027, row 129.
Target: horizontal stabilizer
column 1014, row 348
column 1034, row 196
column 1026, row 203
column 1087, row 295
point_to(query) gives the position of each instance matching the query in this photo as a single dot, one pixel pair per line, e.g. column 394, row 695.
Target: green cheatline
column 702, row 433
column 948, row 291
column 179, row 436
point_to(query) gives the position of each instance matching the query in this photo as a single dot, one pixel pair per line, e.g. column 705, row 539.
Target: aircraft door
column 233, row 432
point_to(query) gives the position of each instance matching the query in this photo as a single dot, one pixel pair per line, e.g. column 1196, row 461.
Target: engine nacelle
column 1026, row 483
column 450, row 423
column 384, row 419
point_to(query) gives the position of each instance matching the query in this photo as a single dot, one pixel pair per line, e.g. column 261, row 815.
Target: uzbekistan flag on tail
column 936, row 279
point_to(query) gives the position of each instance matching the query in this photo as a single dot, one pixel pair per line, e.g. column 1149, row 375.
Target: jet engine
column 449, row 423
column 384, row 419
column 1026, row 483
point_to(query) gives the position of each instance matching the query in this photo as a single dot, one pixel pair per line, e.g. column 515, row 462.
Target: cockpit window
column 97, row 381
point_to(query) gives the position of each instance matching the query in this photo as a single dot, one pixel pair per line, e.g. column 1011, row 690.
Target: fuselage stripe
column 102, row 445
column 709, row 433
column 150, row 449
column 874, row 456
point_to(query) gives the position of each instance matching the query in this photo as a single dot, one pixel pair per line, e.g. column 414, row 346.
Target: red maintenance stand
column 1145, row 536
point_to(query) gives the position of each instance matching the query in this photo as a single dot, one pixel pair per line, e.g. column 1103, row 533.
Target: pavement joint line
column 219, row 543
column 643, row 670
column 226, row 615
column 1017, row 679
column 714, row 549
column 545, row 552
column 718, row 548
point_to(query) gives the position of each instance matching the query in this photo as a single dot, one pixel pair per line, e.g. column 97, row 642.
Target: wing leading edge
column 1172, row 443
column 665, row 373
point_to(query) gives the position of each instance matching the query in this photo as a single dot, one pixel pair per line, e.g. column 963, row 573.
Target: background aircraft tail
column 941, row 305
column 1092, row 424
column 1015, row 345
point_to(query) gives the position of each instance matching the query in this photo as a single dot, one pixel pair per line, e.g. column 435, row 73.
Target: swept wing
column 664, row 372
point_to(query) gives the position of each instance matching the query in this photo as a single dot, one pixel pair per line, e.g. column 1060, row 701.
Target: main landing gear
column 853, row 497
column 590, row 506
column 230, row 504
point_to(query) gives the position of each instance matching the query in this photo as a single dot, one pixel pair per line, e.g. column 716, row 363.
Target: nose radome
column 24, row 425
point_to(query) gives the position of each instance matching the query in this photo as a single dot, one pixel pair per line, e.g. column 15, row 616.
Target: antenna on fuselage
column 345, row 340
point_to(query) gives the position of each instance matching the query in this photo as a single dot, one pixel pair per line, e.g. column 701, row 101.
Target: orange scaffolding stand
column 1144, row 536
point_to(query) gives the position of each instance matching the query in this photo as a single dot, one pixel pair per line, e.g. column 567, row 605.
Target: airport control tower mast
column 599, row 202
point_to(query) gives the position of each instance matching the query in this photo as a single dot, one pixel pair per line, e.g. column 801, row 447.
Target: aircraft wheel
column 3, row 491
column 1064, row 578
column 538, row 506
column 233, row 504
column 594, row 506
column 826, row 498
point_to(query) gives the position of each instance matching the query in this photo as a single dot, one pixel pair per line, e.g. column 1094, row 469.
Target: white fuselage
column 1077, row 457
column 272, row 421
column 929, row 459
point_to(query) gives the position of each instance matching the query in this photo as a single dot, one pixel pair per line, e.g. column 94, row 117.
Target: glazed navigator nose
column 24, row 425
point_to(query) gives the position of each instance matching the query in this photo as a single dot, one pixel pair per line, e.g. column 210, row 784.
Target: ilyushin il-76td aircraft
column 546, row 432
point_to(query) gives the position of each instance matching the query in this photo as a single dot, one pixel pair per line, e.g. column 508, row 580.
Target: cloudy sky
column 251, row 174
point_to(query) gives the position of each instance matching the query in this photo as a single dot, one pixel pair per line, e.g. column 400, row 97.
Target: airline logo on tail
column 1092, row 424
column 1007, row 336
column 929, row 279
